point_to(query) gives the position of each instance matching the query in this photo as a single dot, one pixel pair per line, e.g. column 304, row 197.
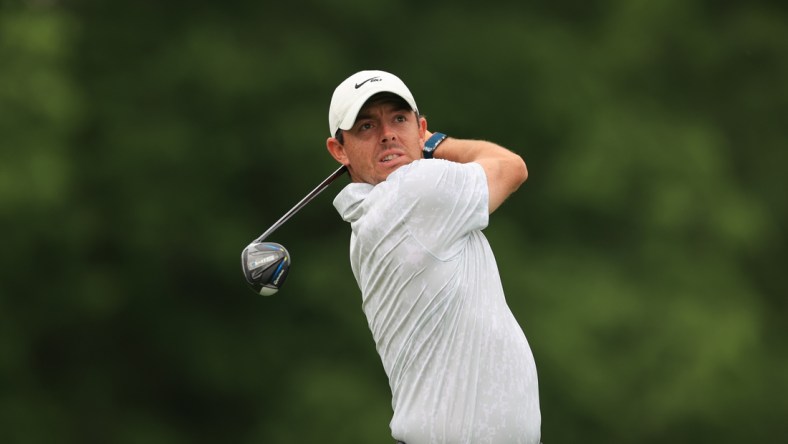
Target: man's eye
column 400, row 118
column 365, row 126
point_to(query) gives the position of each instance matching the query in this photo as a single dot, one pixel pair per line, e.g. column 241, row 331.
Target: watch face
column 432, row 143
column 434, row 140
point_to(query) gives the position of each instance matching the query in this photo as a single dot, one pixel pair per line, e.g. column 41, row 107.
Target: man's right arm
column 505, row 170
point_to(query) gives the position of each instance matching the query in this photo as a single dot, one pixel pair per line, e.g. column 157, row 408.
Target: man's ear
column 336, row 150
column 422, row 131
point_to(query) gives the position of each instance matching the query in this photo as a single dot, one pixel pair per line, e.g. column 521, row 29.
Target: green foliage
column 145, row 144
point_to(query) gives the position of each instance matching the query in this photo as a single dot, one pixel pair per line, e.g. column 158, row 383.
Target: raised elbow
column 520, row 170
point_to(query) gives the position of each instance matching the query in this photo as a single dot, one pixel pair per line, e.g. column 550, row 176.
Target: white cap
column 351, row 95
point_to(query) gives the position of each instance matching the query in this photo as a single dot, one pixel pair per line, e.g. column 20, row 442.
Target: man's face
column 385, row 137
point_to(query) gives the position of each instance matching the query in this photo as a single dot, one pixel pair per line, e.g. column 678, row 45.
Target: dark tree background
column 143, row 144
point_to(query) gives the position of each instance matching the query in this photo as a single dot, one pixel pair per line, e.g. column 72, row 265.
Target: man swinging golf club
column 459, row 366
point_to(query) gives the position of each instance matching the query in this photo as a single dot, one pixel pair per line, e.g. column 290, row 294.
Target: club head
column 265, row 266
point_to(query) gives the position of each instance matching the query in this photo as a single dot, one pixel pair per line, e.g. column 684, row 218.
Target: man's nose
column 387, row 133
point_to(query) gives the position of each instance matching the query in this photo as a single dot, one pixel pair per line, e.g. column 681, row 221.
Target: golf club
column 265, row 264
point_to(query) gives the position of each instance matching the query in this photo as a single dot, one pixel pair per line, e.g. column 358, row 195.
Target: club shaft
column 312, row 194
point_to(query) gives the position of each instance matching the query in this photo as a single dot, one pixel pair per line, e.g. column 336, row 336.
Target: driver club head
column 265, row 266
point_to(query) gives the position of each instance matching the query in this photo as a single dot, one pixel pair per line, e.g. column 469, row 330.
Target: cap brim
column 352, row 112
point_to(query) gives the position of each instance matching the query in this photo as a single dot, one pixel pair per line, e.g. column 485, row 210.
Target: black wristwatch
column 432, row 143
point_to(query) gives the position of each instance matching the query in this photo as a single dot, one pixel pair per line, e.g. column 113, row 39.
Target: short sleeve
column 445, row 201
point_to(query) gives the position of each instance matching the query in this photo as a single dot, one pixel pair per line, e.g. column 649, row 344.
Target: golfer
column 458, row 364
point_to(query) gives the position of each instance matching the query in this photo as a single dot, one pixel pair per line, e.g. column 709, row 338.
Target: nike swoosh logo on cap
column 358, row 85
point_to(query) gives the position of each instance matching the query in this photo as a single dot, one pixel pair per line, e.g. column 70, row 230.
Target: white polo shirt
column 458, row 363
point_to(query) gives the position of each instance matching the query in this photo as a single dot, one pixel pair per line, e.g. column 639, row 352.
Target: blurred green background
column 144, row 144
